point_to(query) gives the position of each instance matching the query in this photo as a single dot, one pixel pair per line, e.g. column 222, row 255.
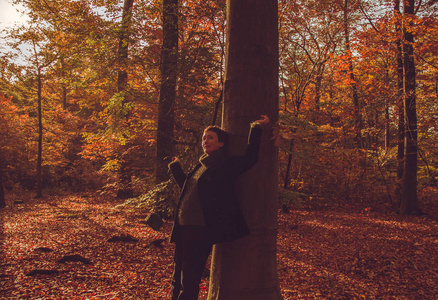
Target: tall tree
column 409, row 203
column 166, row 104
column 125, row 190
column 41, row 58
column 348, row 9
column 246, row 269
column 124, row 35
column 399, row 101
column 39, row 191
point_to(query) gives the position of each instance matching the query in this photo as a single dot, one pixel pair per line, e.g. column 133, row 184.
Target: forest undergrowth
column 62, row 247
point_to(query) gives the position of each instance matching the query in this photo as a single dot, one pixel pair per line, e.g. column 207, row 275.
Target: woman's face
column 210, row 142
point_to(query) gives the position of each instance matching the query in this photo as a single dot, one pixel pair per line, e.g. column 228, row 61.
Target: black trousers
column 191, row 254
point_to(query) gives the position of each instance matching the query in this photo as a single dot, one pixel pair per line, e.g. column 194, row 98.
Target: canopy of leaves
column 91, row 131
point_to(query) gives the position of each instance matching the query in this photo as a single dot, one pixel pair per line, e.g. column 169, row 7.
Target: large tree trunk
column 246, row 269
column 169, row 71
column 409, row 204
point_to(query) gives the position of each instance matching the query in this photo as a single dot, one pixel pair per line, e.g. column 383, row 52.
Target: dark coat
column 216, row 186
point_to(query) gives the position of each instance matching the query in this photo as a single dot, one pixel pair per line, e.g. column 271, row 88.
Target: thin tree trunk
column 399, row 104
column 355, row 95
column 318, row 84
column 409, row 203
column 63, row 84
column 2, row 189
column 122, row 73
column 387, row 127
column 39, row 192
column 169, row 71
column 288, row 166
column 64, row 96
column 246, row 269
column 387, row 118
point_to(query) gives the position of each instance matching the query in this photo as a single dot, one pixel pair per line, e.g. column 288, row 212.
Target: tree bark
column 122, row 73
column 409, row 203
column 355, row 95
column 399, row 102
column 2, row 189
column 169, row 71
column 125, row 173
column 318, row 84
column 246, row 269
column 39, row 191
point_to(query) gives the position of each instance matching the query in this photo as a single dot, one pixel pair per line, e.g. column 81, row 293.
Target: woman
column 208, row 210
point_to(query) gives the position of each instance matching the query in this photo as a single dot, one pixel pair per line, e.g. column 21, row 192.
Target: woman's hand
column 264, row 120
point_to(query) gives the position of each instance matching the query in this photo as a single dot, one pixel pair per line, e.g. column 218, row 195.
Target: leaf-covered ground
column 346, row 253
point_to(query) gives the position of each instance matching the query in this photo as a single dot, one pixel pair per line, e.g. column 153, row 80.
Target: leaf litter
column 59, row 248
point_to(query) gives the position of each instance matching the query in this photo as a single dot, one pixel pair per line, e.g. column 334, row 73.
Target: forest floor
column 344, row 252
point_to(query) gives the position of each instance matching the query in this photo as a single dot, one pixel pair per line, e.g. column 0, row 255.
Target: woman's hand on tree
column 263, row 121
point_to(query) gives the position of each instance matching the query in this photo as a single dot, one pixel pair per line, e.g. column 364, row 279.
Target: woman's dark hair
column 222, row 135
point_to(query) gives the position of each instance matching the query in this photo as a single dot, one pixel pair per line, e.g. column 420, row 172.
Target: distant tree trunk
column 289, row 164
column 2, row 189
column 39, row 192
column 246, row 269
column 409, row 204
column 387, row 116
column 387, row 127
column 125, row 173
column 318, row 84
column 399, row 104
column 63, row 84
column 166, row 113
column 355, row 95
column 122, row 73
column 64, row 96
